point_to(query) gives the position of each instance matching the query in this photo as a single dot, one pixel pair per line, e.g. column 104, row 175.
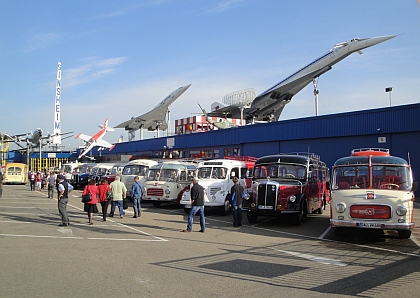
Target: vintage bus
column 288, row 184
column 15, row 173
column 117, row 169
column 370, row 189
column 216, row 178
column 137, row 167
column 167, row 181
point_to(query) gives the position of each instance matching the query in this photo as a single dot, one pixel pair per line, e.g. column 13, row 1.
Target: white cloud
column 226, row 5
column 91, row 70
column 44, row 40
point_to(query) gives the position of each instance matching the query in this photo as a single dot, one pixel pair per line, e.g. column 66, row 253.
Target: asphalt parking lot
column 151, row 257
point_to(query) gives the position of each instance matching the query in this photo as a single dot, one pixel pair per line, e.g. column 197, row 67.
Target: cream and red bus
column 137, row 167
column 370, row 189
column 167, row 181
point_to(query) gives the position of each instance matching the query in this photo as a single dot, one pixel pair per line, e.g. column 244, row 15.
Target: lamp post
column 389, row 89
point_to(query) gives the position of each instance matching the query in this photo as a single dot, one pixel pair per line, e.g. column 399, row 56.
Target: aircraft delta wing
column 268, row 105
column 155, row 118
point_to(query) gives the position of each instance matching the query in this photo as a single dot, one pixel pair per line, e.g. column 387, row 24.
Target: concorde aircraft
column 268, row 105
column 95, row 140
column 155, row 118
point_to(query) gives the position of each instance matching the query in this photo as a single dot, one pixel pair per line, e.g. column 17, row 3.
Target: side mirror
column 415, row 186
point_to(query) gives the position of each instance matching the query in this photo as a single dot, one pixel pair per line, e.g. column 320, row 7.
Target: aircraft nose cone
column 368, row 42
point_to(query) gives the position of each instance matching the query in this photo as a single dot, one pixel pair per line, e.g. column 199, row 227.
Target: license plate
column 369, row 225
column 265, row 207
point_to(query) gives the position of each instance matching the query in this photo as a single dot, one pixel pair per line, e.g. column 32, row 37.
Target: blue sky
column 121, row 58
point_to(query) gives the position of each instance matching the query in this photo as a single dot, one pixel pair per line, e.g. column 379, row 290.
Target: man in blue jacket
column 136, row 192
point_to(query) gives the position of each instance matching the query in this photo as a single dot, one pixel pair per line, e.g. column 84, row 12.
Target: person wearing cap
column 197, row 205
column 63, row 190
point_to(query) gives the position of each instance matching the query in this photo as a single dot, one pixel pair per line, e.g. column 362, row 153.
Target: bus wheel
column 225, row 209
column 156, row 203
column 321, row 209
column 297, row 218
column 252, row 217
column 404, row 234
column 187, row 210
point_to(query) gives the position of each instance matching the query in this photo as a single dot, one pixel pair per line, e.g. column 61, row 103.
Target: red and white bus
column 288, row 184
column 371, row 189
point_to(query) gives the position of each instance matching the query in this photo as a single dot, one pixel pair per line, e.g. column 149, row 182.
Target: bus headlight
column 167, row 191
column 340, row 207
column 292, row 198
column 246, row 196
column 401, row 210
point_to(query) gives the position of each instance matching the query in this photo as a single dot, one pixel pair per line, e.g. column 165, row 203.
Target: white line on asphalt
column 325, row 233
column 40, row 236
column 313, row 258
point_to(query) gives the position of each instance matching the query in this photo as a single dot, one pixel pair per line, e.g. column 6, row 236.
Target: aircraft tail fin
column 216, row 106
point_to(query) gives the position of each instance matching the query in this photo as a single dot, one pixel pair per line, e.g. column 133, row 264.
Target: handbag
column 125, row 204
column 86, row 198
column 109, row 195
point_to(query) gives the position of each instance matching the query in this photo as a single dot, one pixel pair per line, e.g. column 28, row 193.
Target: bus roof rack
column 370, row 149
column 241, row 158
column 308, row 154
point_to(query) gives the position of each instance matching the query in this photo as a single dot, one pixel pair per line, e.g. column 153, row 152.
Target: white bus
column 167, row 181
column 216, row 178
column 134, row 168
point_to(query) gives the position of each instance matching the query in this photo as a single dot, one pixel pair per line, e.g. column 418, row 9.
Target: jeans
column 50, row 192
column 193, row 211
column 137, row 206
column 62, row 208
column 237, row 216
column 120, row 207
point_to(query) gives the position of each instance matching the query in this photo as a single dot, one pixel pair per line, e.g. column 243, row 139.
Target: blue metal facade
column 330, row 136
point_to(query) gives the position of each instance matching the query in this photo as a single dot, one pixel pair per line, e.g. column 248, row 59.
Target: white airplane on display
column 156, row 118
column 95, row 140
column 268, row 105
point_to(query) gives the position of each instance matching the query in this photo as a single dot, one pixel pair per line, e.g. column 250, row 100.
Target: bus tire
column 297, row 218
column 225, row 209
column 252, row 217
column 404, row 234
column 156, row 203
column 187, row 210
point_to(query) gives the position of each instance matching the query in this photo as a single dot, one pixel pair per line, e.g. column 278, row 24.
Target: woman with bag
column 104, row 196
column 90, row 207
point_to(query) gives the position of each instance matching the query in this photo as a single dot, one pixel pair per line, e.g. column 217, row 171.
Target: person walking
column 63, row 190
column 197, row 205
column 90, row 207
column 50, row 184
column 1, row 182
column 38, row 180
column 103, row 200
column 136, row 192
column 119, row 192
column 237, row 193
column 32, row 180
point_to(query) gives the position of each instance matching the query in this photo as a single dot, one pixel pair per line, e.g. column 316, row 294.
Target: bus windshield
column 212, row 173
column 282, row 171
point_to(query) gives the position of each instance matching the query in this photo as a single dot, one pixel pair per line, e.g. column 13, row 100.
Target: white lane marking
column 120, row 239
column 65, row 231
column 322, row 260
column 325, row 233
column 80, row 238
column 40, row 236
column 414, row 239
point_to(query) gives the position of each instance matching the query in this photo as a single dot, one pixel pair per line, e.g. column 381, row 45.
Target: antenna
column 241, row 99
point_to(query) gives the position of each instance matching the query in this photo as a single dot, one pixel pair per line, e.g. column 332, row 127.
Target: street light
column 389, row 89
